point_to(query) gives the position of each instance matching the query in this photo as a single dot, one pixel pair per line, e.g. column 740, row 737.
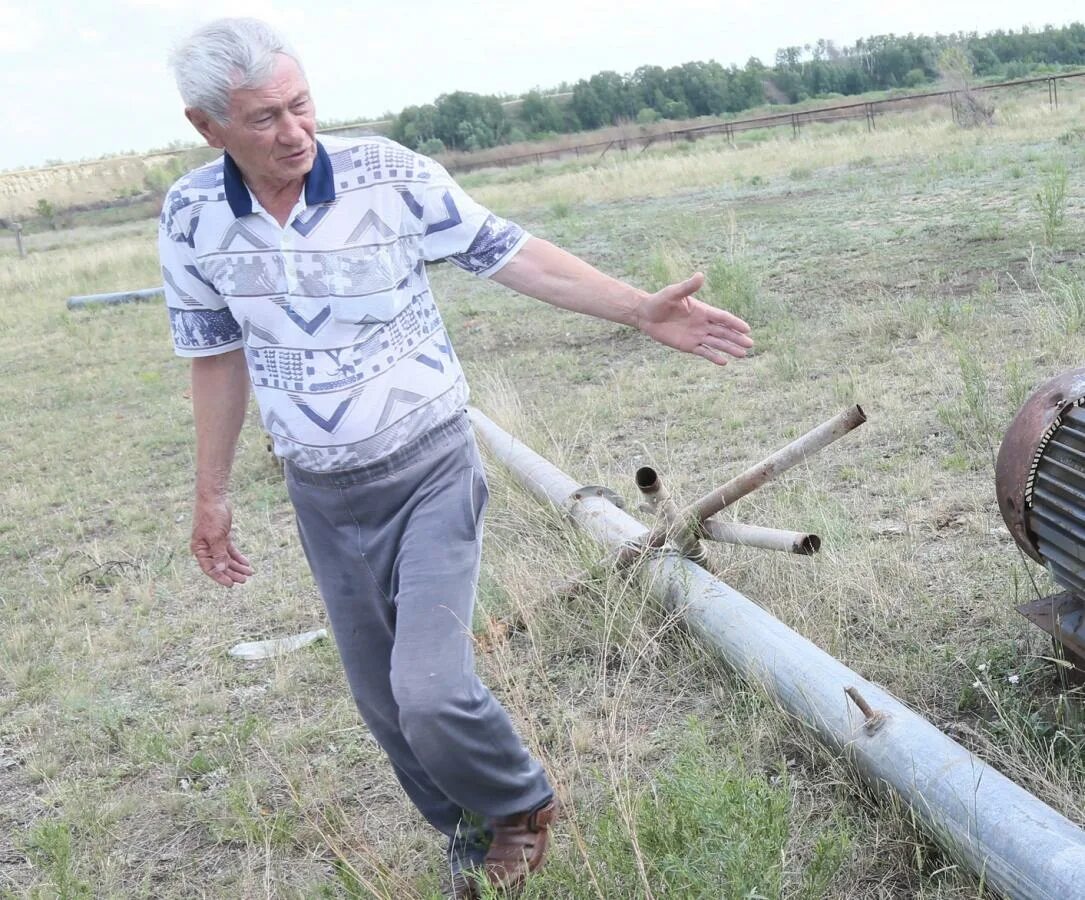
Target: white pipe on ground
column 1016, row 843
column 139, row 296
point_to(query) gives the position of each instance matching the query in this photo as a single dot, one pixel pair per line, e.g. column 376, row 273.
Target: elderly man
column 298, row 265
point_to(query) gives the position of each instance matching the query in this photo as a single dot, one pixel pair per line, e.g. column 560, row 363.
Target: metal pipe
column 780, row 461
column 113, row 299
column 1015, row 842
column 679, row 532
column 658, row 497
column 799, row 542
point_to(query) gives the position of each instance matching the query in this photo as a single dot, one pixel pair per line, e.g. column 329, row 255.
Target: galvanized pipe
column 798, row 542
column 113, row 299
column 1015, row 842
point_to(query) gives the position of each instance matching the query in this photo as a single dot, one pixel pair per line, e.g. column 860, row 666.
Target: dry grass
column 900, row 269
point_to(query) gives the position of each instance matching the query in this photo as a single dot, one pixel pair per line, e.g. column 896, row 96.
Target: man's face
column 270, row 132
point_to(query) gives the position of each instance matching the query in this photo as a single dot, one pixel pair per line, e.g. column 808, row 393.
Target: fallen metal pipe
column 1015, row 842
column 799, row 542
column 780, row 461
column 113, row 299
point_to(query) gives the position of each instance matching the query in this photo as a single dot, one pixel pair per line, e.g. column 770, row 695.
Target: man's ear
column 206, row 126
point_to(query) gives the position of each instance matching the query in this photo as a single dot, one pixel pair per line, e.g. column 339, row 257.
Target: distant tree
column 47, row 212
column 431, row 147
column 588, row 107
column 415, row 125
column 540, row 114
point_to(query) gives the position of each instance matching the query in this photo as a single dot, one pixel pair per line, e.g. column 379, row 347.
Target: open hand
column 673, row 316
column 212, row 546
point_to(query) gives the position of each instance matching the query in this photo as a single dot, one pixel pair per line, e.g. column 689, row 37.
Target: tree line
column 467, row 121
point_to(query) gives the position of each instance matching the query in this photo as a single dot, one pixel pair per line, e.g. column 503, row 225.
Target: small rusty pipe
column 816, row 439
column 655, row 494
column 780, row 461
column 797, row 542
column 659, row 500
column 679, row 531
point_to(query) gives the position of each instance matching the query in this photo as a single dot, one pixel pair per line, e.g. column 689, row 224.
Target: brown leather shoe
column 519, row 845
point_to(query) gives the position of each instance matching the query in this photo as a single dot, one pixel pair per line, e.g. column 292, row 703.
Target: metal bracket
column 1063, row 617
column 592, row 490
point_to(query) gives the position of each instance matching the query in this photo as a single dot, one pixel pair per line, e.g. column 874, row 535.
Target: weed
column 1061, row 310
column 49, row 846
column 1064, row 306
column 1013, row 697
column 1050, row 202
column 971, row 414
column 731, row 284
column 668, row 263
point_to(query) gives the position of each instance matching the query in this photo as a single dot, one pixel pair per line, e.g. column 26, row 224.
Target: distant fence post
column 18, row 229
column 1052, row 93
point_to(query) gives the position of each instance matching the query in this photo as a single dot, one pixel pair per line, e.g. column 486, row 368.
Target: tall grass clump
column 971, row 415
column 1050, row 202
column 668, row 263
column 731, row 284
column 1060, row 312
column 1063, row 310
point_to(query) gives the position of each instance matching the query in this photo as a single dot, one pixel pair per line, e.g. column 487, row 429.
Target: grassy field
column 930, row 273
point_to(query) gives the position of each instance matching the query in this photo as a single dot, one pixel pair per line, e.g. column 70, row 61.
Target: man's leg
column 363, row 621
column 453, row 724
column 408, row 528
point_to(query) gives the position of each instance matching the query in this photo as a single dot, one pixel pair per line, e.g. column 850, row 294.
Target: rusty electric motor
column 1040, row 478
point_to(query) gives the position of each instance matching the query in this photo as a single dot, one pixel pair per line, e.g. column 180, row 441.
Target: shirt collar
column 319, row 183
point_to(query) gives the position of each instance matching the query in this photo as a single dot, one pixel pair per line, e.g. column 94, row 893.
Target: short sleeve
column 200, row 321
column 462, row 231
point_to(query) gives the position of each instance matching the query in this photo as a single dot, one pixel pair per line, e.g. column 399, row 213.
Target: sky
column 80, row 79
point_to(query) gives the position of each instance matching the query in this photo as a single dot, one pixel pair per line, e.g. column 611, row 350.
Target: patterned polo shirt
column 347, row 352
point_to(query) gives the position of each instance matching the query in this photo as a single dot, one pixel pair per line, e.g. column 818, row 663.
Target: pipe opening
column 647, row 480
column 809, row 545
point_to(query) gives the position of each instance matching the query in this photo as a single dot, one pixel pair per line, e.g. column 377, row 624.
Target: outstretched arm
column 220, row 392
column 672, row 316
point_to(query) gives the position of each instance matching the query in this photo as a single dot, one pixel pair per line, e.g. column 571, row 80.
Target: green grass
column 897, row 269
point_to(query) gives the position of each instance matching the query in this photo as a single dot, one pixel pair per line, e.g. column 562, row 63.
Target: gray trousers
column 394, row 547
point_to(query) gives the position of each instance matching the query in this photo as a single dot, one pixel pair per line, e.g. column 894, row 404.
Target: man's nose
column 292, row 130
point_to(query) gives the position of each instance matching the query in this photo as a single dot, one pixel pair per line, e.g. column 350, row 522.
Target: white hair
column 221, row 56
